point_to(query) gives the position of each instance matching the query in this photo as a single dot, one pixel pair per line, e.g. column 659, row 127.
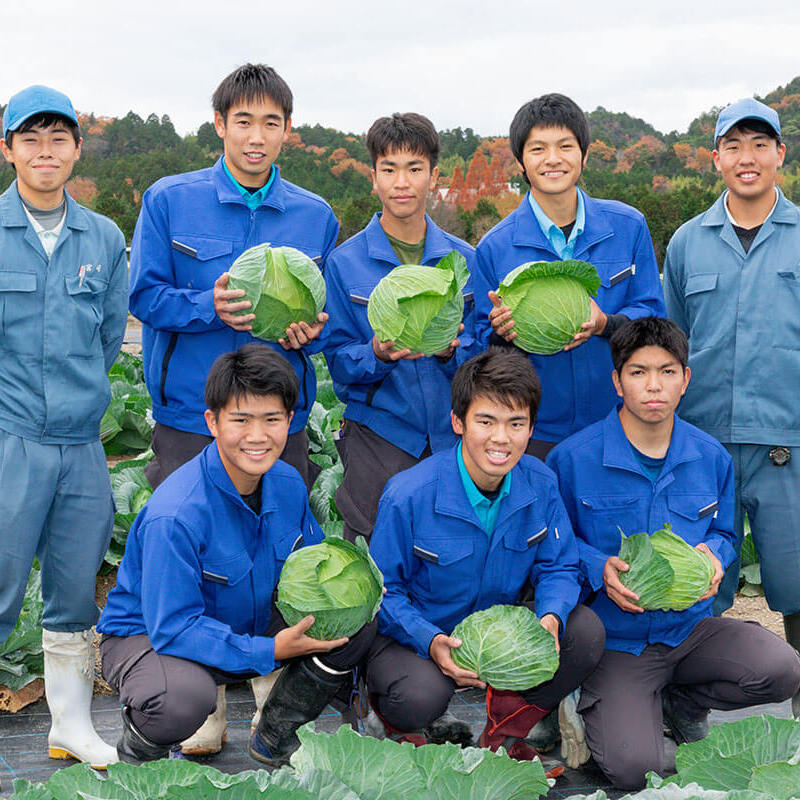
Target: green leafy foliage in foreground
column 131, row 492
column 127, row 425
column 340, row 766
column 21, row 659
column 507, row 646
column 750, row 572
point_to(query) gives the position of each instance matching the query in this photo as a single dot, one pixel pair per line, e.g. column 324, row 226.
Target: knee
column 626, row 768
column 584, row 638
column 784, row 674
column 412, row 705
column 177, row 713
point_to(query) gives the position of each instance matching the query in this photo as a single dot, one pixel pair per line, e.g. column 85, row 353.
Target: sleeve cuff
column 722, row 549
column 613, row 323
column 264, row 654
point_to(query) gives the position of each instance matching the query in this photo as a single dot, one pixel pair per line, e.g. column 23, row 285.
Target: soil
column 755, row 608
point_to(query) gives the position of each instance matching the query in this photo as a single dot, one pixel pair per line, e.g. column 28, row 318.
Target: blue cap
column 749, row 108
column 36, row 100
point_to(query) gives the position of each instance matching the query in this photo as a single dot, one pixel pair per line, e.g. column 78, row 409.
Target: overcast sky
column 465, row 63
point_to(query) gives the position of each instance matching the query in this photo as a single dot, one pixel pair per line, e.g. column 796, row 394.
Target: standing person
column 636, row 470
column 63, row 306
column 731, row 283
column 396, row 400
column 191, row 229
column 550, row 139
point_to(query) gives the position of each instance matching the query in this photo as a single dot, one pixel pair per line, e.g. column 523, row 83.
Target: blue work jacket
column 606, row 490
column 191, row 228
column 741, row 314
column 576, row 385
column 439, row 565
column 200, row 566
column 62, row 320
column 405, row 402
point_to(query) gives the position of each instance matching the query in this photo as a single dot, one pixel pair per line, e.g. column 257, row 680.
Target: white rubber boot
column 212, row 734
column 262, row 686
column 68, row 683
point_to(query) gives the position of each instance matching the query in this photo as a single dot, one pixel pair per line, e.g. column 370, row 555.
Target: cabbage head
column 507, row 646
column 284, row 286
column 420, row 307
column 666, row 572
column 549, row 301
column 336, row 581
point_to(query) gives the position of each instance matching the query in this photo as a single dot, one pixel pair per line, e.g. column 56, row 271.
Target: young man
column 550, row 139
column 396, row 400
column 63, row 306
column 464, row 530
column 192, row 606
column 190, row 230
column 636, row 470
column 731, row 283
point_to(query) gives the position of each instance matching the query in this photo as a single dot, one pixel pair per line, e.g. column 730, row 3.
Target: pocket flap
column 701, row 283
column 605, row 503
column 522, row 540
column 227, row 572
column 202, row 248
column 619, row 276
column 693, row 506
column 443, row 552
column 17, row 281
column 77, row 285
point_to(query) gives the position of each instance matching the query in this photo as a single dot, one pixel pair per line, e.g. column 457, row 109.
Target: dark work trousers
column 369, row 461
column 170, row 697
column 723, row 663
column 173, row 448
column 539, row 448
column 411, row 692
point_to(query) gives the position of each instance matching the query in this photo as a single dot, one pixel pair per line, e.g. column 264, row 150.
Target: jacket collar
column 228, row 193
column 378, row 247
column 12, row 213
column 219, row 477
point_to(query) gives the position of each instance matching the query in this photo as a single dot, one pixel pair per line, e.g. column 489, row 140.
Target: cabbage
column 420, row 308
column 507, row 646
column 284, row 286
column 549, row 301
column 667, row 573
column 336, row 581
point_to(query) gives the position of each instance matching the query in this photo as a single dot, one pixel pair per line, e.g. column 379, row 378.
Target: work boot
column 299, row 695
column 212, row 734
column 574, row 750
column 448, row 728
column 377, row 726
column 508, row 719
column 261, row 686
column 791, row 625
column 685, row 721
column 68, row 684
column 545, row 734
column 134, row 747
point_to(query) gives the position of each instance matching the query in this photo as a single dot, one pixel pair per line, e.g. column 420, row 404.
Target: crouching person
column 462, row 531
column 192, row 608
column 636, row 470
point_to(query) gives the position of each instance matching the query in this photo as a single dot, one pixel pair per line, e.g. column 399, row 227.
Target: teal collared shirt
column 564, row 247
column 253, row 199
column 486, row 509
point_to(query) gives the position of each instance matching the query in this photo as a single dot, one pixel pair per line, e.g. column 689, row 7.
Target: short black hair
column 548, row 111
column 500, row 374
column 648, row 332
column 255, row 370
column 408, row 131
column 751, row 125
column 252, row 82
column 46, row 119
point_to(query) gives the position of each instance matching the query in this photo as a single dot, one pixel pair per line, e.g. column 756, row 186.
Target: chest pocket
column 86, row 294
column 227, row 588
column 603, row 517
column 16, row 307
column 692, row 515
column 286, row 545
column 439, row 561
column 784, row 304
column 359, row 296
column 200, row 260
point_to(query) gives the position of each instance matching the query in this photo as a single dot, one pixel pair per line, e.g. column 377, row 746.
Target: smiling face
column 252, row 136
column 403, row 180
column 651, row 385
column 43, row 158
column 552, row 160
column 493, row 439
column 251, row 433
column 749, row 163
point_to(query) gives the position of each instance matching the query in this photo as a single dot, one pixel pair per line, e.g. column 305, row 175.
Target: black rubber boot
column 134, row 747
column 791, row 626
column 299, row 695
column 682, row 717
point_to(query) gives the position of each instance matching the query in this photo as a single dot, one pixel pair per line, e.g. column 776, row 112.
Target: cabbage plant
column 667, row 573
column 507, row 647
column 336, row 581
column 284, row 286
column 420, row 308
column 549, row 301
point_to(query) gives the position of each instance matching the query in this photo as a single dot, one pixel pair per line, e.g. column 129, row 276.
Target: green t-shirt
column 407, row 253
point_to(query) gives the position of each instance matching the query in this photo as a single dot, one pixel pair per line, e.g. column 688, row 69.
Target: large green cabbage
column 667, row 573
column 549, row 301
column 420, row 308
column 507, row 646
column 336, row 581
column 284, row 286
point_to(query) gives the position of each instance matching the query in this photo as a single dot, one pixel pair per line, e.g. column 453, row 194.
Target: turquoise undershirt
column 564, row 247
column 485, row 509
column 253, row 199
